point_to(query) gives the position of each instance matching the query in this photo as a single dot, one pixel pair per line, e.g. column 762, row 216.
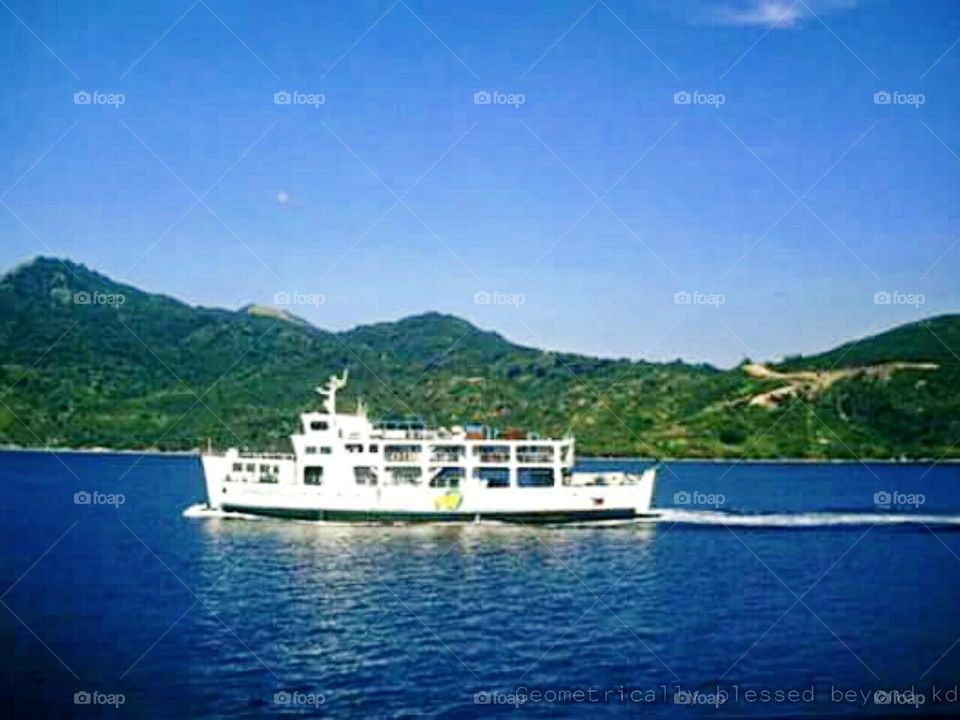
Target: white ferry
column 345, row 468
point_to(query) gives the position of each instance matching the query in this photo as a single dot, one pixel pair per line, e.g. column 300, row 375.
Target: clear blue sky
column 506, row 196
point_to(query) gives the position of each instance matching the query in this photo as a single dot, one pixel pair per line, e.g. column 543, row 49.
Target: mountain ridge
column 88, row 361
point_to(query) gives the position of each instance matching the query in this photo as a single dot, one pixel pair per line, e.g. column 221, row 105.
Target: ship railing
column 251, row 455
column 535, row 457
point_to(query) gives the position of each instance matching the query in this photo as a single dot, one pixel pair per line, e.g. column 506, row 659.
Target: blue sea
column 761, row 590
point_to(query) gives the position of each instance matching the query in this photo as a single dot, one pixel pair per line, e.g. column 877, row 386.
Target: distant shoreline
column 595, row 458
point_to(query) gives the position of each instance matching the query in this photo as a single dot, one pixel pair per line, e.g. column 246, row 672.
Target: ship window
column 492, row 477
column 264, row 468
column 374, row 448
column 310, row 450
column 364, row 475
column 251, row 467
column 319, row 425
column 324, row 451
column 238, row 467
column 448, row 453
column 534, row 477
column 405, row 475
column 448, row 477
column 313, row 476
column 402, row 453
column 354, row 448
column 492, row 453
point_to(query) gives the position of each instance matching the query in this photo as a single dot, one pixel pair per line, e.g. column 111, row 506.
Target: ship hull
column 340, row 501
column 544, row 517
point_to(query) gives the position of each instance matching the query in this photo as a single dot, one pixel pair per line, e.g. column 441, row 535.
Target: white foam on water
column 201, row 510
column 796, row 520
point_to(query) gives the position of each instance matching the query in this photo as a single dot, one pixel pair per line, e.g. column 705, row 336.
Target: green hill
column 86, row 361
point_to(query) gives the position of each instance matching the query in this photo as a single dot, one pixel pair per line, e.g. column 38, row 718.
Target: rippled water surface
column 757, row 577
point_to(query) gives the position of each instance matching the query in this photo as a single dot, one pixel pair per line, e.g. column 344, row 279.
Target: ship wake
column 797, row 519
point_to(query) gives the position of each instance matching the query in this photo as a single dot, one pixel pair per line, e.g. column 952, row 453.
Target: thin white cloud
column 778, row 14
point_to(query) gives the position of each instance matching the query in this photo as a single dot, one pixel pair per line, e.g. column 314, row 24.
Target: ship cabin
column 336, row 450
column 406, row 452
column 339, row 447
